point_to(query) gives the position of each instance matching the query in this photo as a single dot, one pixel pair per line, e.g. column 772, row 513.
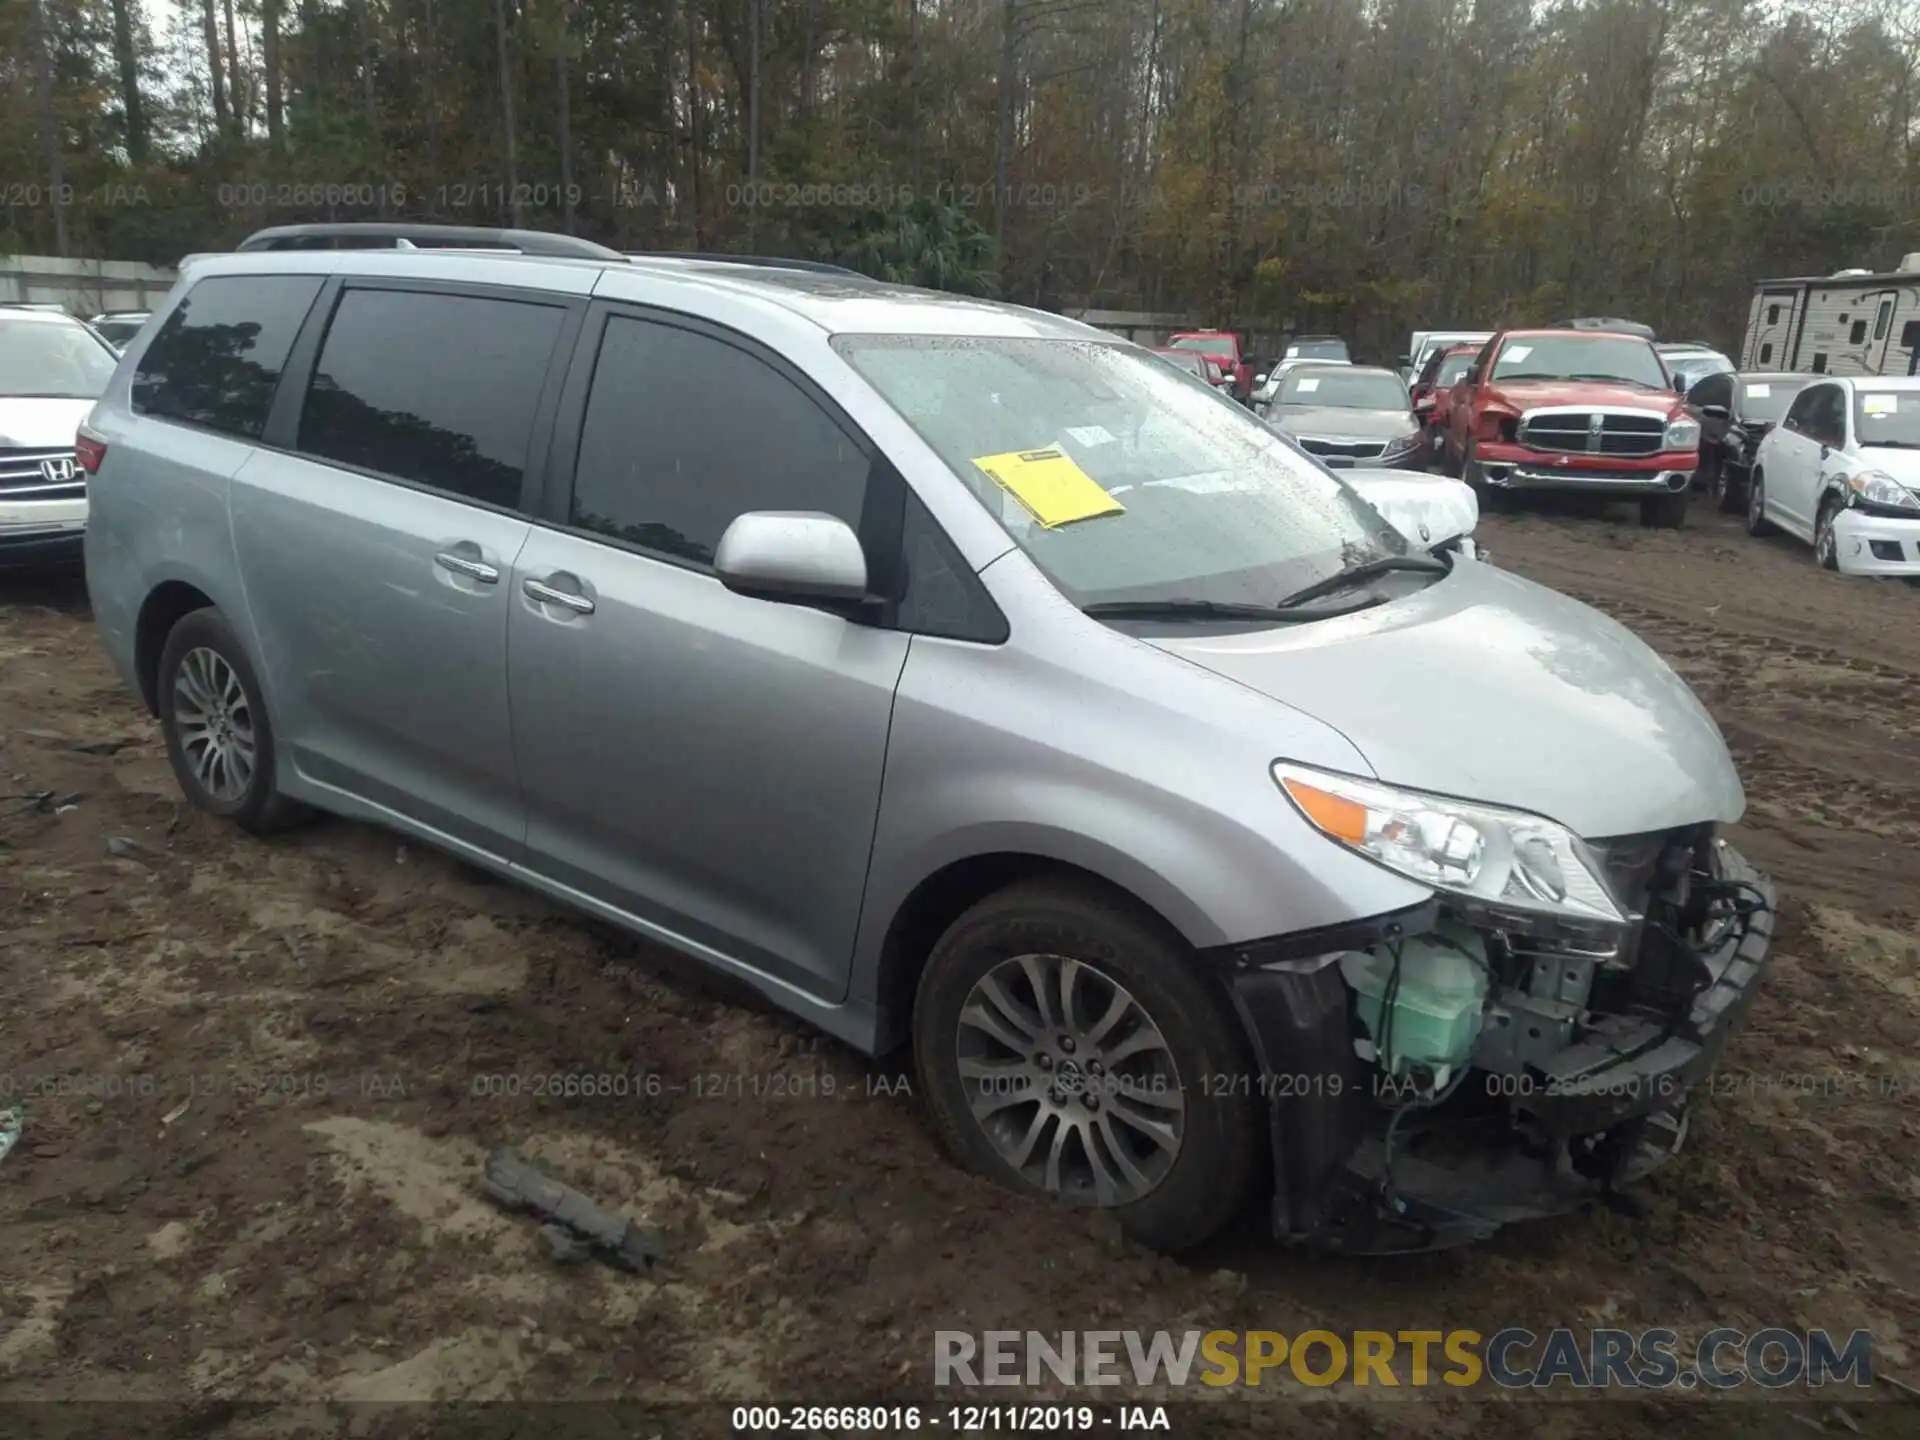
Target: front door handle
column 468, row 566
column 547, row 595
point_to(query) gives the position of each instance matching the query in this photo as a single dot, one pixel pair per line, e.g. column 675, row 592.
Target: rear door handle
column 547, row 595
column 468, row 566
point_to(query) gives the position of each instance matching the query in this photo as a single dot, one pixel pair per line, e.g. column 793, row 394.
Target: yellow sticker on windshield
column 1054, row 489
column 1879, row 404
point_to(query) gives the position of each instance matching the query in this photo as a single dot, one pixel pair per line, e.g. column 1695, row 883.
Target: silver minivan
column 960, row 677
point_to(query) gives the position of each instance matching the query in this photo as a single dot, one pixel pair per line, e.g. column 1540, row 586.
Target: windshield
column 1887, row 417
column 1766, row 401
column 1317, row 350
column 1185, row 495
column 1581, row 357
column 1345, row 389
column 1696, row 367
column 1208, row 344
column 65, row 362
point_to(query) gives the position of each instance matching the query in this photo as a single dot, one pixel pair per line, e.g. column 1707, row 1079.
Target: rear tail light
column 89, row 450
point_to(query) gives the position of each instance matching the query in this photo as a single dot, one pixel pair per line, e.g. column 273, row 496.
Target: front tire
column 1826, row 547
column 1757, row 523
column 219, row 740
column 1070, row 1045
column 1665, row 512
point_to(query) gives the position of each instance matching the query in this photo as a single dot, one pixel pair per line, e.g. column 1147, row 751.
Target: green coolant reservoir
column 1436, row 1009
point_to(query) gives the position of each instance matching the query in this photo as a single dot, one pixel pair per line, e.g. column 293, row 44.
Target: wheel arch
column 165, row 606
column 944, row 895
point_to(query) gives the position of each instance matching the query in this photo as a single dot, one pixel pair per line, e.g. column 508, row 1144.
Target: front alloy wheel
column 1071, row 1044
column 1757, row 522
column 1071, row 1079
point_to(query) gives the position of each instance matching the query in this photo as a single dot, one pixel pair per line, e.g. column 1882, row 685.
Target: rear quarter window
column 217, row 360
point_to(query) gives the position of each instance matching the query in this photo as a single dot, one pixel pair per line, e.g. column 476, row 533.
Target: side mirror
column 1679, row 384
column 1261, row 378
column 1424, row 403
column 791, row 555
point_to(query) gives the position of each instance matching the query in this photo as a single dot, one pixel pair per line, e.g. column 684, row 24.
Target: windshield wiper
column 1386, row 564
column 1619, row 380
column 1526, row 375
column 1892, row 444
column 1194, row 610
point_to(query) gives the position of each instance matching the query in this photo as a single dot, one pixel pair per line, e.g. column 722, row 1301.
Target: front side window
column 435, row 389
column 685, row 432
column 217, row 360
column 40, row 359
column 1120, row 480
column 1609, row 358
column 1453, row 368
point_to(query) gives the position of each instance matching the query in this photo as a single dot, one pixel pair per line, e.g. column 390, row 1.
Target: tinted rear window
column 436, row 389
column 217, row 360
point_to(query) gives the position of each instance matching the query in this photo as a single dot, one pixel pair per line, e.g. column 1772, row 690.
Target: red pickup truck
column 1224, row 346
column 1573, row 410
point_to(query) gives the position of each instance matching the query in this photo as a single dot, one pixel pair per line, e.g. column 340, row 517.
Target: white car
column 1432, row 511
column 1842, row 472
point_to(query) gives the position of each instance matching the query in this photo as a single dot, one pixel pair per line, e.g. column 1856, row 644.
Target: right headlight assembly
column 1876, row 487
column 1504, row 859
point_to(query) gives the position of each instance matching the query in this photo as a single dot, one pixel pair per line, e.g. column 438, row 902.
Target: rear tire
column 994, row 1064
column 1665, row 512
column 1757, row 522
column 219, row 739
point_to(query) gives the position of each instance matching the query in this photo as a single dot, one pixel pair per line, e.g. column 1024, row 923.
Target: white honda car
column 1842, row 472
column 52, row 369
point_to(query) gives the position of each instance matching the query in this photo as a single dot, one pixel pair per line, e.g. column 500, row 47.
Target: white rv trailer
column 1854, row 322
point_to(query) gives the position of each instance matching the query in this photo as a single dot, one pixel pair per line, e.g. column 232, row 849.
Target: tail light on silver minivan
column 89, row 450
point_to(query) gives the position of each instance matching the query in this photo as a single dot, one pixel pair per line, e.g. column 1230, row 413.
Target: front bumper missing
column 1596, row 1121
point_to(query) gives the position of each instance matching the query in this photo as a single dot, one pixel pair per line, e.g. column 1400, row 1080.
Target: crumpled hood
column 1341, row 422
column 40, row 424
column 1489, row 687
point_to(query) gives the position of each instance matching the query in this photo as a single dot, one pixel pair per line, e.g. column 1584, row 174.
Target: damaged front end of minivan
column 1522, row 1045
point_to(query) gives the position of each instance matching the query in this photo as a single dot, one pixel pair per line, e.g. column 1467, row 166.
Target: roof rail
column 771, row 262
column 377, row 234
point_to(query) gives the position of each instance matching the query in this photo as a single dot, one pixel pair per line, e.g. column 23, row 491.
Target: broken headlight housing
column 1876, row 487
column 1488, row 857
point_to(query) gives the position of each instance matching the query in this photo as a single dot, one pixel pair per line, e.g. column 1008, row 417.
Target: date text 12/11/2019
column 954, row 1419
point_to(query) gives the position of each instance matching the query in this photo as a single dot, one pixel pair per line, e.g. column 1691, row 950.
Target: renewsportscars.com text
column 1511, row 1358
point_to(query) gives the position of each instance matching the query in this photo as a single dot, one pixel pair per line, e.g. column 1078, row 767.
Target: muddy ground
column 253, row 1179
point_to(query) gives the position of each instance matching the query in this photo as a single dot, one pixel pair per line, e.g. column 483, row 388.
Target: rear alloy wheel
column 1757, row 522
column 219, row 740
column 1665, row 512
column 1069, row 1046
column 1826, row 546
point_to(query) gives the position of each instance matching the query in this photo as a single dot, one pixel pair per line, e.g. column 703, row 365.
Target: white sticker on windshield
column 1090, row 434
column 1517, row 352
column 1293, row 352
column 1759, row 392
column 1881, row 404
column 1307, row 386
